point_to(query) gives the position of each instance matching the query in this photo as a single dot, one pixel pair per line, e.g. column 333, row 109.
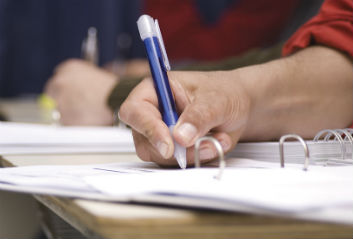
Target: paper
column 250, row 188
column 287, row 190
column 21, row 138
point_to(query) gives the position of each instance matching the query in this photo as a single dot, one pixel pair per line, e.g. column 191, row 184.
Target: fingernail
column 162, row 149
column 206, row 153
column 225, row 145
column 187, row 132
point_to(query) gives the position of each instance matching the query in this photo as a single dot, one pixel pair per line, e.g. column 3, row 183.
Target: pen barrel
column 166, row 101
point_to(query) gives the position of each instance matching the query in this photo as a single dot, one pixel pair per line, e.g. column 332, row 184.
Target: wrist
column 264, row 86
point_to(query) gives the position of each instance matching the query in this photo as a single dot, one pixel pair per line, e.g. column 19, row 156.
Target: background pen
column 159, row 64
column 89, row 46
column 89, row 51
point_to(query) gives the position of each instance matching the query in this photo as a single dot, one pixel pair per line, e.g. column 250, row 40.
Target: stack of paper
column 270, row 190
column 331, row 152
column 20, row 138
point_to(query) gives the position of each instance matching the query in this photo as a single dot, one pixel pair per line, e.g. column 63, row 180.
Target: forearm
column 304, row 93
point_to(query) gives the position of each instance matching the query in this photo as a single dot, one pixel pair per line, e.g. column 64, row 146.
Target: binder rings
column 331, row 147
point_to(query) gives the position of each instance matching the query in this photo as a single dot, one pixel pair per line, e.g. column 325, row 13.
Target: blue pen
column 159, row 64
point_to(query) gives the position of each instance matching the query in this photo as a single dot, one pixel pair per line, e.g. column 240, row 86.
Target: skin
column 80, row 89
column 304, row 93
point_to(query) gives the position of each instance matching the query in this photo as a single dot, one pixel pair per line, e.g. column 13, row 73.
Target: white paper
column 250, row 188
column 21, row 138
column 288, row 190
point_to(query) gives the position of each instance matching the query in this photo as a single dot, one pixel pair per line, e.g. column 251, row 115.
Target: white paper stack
column 321, row 152
column 21, row 138
column 288, row 192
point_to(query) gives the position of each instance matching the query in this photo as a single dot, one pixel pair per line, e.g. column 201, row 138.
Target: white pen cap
column 146, row 27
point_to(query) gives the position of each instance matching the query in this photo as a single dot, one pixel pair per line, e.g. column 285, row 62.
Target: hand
column 209, row 102
column 260, row 102
column 80, row 91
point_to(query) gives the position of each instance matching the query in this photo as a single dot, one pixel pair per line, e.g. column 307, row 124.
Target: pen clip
column 161, row 43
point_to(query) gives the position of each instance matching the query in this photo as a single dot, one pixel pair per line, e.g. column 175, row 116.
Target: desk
column 114, row 220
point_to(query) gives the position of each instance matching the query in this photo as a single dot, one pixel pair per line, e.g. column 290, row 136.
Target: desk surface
column 115, row 220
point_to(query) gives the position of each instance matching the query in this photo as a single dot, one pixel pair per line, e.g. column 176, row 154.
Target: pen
column 89, row 46
column 159, row 64
column 89, row 50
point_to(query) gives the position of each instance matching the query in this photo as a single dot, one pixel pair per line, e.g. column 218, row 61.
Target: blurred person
column 308, row 90
column 35, row 36
column 203, row 34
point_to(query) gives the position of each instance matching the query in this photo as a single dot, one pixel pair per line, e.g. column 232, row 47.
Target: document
column 253, row 188
column 22, row 138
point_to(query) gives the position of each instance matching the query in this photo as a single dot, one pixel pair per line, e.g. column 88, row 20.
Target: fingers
column 80, row 91
column 206, row 106
column 140, row 111
column 147, row 152
column 205, row 112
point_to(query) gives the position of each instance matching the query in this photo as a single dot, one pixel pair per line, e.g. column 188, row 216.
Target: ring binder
column 305, row 147
column 329, row 133
column 222, row 162
column 347, row 134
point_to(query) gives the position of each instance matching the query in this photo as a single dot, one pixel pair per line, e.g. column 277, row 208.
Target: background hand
column 80, row 90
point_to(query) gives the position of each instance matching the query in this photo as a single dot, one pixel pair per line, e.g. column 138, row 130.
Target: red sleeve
column 332, row 26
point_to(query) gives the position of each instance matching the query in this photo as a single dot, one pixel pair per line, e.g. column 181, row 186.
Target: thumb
column 198, row 118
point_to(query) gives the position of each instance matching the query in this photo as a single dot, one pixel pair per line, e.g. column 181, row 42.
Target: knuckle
column 149, row 129
column 202, row 113
column 123, row 112
column 128, row 111
column 72, row 62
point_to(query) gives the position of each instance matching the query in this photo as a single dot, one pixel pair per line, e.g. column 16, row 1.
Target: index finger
column 140, row 111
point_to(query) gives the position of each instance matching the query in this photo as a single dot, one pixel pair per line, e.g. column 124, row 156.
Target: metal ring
column 329, row 133
column 347, row 135
column 305, row 147
column 222, row 162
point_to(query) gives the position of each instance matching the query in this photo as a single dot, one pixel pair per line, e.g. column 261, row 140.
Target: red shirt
column 332, row 27
column 246, row 24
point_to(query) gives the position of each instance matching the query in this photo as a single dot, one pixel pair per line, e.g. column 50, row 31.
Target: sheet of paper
column 250, row 188
column 21, row 138
column 287, row 190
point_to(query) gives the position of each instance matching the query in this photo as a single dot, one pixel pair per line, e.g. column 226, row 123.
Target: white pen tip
column 179, row 151
column 180, row 155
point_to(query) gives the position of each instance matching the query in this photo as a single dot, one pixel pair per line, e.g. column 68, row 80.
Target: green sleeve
column 121, row 90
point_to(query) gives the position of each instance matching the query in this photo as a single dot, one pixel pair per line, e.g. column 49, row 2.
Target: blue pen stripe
column 161, row 83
